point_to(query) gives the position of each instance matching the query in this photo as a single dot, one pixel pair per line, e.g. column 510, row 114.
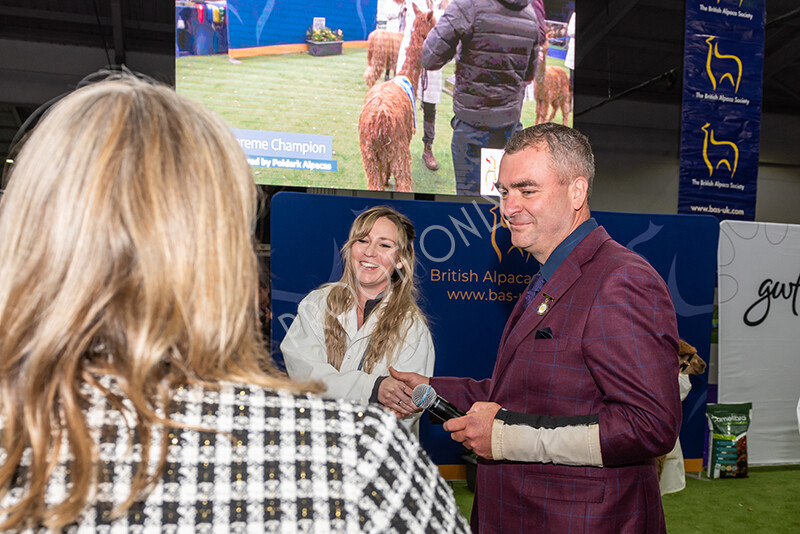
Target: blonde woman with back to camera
column 347, row 334
column 135, row 392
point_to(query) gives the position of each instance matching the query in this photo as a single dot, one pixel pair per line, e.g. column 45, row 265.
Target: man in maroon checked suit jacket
column 584, row 393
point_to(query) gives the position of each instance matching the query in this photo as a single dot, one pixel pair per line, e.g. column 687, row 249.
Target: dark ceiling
column 625, row 44
column 116, row 25
column 630, row 49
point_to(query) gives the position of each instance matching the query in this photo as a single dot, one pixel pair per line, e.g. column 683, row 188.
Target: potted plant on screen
column 324, row 41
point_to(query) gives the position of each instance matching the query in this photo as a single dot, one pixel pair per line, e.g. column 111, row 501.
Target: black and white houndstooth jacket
column 296, row 463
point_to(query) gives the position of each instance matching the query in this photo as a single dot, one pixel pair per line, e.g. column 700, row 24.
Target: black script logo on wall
column 768, row 291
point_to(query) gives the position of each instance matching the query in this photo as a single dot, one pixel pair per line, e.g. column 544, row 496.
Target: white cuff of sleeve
column 567, row 445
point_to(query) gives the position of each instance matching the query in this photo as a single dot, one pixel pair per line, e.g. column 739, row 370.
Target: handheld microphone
column 425, row 397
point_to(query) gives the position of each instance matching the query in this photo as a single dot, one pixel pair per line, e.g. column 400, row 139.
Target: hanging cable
column 100, row 30
column 670, row 76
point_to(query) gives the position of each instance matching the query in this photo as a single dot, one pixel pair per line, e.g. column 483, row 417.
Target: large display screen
column 290, row 78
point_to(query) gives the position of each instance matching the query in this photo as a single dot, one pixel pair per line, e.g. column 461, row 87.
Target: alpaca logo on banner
column 724, row 150
column 721, row 110
column 728, row 64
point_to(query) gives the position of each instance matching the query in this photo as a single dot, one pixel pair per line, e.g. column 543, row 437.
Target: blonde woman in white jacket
column 347, row 334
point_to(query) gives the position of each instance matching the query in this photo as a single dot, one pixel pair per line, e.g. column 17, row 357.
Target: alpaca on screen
column 551, row 89
column 382, row 49
column 387, row 121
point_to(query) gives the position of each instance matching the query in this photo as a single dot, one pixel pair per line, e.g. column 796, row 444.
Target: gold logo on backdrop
column 498, row 221
column 728, row 64
column 726, row 148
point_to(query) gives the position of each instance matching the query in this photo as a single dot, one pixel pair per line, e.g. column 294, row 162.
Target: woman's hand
column 396, row 396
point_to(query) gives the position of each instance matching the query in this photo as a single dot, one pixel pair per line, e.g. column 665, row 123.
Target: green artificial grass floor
column 766, row 502
column 300, row 93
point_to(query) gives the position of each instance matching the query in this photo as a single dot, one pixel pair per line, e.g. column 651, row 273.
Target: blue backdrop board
column 470, row 277
column 256, row 23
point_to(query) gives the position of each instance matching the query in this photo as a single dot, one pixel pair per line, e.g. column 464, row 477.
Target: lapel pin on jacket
column 544, row 306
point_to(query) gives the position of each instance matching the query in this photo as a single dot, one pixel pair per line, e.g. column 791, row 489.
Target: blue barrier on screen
column 557, row 53
column 255, row 23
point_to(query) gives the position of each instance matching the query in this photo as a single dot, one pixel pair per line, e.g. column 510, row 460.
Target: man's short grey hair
column 568, row 149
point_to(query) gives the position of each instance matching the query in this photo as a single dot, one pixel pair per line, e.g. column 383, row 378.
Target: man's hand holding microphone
column 473, row 429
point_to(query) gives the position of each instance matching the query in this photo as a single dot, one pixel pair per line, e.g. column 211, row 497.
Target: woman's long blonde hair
column 396, row 313
column 126, row 250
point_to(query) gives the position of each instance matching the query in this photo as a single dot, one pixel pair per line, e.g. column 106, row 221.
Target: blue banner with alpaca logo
column 721, row 115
